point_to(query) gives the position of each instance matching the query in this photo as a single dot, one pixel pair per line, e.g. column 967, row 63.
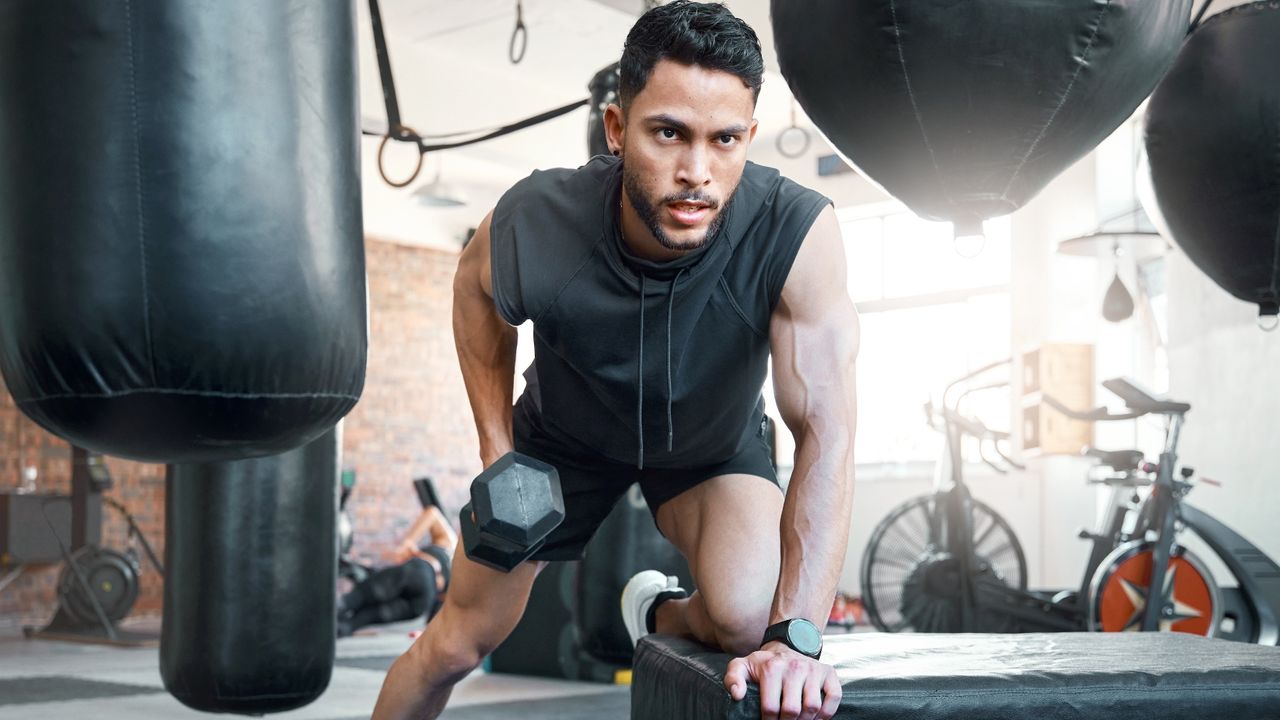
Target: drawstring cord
column 640, row 384
column 671, row 301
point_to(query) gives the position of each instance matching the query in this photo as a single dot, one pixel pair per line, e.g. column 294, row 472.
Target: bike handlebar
column 1099, row 414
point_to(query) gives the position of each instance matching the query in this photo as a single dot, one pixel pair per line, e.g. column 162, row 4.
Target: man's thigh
column 727, row 528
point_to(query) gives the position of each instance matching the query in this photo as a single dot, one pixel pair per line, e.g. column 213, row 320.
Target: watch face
column 804, row 637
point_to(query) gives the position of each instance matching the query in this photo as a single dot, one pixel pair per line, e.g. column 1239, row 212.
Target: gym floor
column 46, row 679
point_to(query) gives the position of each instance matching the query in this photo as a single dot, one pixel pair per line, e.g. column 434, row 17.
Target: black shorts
column 592, row 486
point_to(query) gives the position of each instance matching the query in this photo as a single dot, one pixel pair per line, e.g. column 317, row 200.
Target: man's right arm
column 486, row 347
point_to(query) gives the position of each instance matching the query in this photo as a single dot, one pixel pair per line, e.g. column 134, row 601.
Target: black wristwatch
column 798, row 634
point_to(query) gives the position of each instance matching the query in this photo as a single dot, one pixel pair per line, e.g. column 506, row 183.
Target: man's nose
column 694, row 169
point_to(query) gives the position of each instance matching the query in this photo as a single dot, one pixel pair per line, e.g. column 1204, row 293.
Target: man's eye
column 727, row 139
column 667, row 134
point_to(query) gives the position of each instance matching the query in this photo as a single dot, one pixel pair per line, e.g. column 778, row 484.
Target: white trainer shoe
column 638, row 596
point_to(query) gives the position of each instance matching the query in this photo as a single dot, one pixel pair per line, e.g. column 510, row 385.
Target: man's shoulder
column 776, row 200
column 770, row 189
column 542, row 231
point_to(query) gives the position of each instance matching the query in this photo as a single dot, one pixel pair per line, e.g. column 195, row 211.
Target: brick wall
column 413, row 420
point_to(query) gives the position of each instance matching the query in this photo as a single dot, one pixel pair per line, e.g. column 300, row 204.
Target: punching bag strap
column 403, row 133
column 1199, row 16
column 384, row 71
column 395, row 129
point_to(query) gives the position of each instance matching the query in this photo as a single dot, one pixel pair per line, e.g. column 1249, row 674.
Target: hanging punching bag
column 965, row 110
column 181, row 260
column 604, row 91
column 1213, row 139
column 249, row 606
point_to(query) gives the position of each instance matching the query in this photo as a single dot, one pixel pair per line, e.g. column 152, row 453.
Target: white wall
column 1225, row 366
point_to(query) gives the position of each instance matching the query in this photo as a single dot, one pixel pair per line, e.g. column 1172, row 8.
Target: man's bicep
column 814, row 331
column 816, row 287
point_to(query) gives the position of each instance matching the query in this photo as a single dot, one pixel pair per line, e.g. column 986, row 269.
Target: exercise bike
column 946, row 562
column 97, row 586
column 1150, row 564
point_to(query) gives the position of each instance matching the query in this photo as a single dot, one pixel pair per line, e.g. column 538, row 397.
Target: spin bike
column 1151, row 582
column 947, row 562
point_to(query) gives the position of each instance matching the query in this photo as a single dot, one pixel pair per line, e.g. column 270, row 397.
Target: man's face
column 684, row 147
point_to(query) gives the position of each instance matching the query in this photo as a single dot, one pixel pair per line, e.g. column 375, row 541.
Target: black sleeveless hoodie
column 660, row 364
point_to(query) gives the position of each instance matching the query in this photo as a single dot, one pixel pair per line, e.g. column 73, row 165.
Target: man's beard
column 648, row 211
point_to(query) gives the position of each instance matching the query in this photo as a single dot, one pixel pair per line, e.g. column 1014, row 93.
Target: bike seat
column 1140, row 400
column 1117, row 459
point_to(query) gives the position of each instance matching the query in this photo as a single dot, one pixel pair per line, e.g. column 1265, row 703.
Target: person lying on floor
column 414, row 586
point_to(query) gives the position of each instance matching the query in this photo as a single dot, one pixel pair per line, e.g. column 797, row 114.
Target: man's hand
column 792, row 686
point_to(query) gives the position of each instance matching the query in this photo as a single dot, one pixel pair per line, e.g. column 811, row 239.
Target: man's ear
column 614, row 128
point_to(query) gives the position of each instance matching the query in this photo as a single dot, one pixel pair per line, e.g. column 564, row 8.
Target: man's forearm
column 486, row 347
column 815, row 526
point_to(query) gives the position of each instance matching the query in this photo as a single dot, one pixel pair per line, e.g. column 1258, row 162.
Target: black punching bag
column 181, row 251
column 1213, row 139
column 604, row 92
column 964, row 110
column 249, row 605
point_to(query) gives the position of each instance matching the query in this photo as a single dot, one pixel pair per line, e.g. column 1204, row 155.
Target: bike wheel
column 112, row 578
column 1119, row 589
column 911, row 585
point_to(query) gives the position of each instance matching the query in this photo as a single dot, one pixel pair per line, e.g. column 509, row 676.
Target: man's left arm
column 814, row 343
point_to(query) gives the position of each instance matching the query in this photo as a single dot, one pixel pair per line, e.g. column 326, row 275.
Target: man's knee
column 443, row 656
column 456, row 641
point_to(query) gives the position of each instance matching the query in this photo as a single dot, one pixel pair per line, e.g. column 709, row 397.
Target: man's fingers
column 735, row 679
column 771, row 679
column 812, row 698
column 793, row 677
column 832, row 694
column 791, row 688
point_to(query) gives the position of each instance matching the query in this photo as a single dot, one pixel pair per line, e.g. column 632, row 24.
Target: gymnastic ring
column 382, row 146
column 804, row 147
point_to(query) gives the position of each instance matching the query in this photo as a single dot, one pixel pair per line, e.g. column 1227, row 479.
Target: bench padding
column 1048, row 676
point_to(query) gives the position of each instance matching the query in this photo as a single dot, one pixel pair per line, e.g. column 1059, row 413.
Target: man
column 660, row 282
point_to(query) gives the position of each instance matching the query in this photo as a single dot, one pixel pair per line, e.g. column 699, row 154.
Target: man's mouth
column 688, row 212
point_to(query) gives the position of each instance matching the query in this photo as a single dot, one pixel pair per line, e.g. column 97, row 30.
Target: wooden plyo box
column 1063, row 371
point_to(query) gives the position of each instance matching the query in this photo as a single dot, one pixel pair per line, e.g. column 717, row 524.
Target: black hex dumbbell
column 515, row 503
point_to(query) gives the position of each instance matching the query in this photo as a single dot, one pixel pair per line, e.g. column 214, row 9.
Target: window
column 929, row 315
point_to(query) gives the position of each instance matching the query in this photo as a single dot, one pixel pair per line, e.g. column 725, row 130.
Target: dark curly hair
column 692, row 33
